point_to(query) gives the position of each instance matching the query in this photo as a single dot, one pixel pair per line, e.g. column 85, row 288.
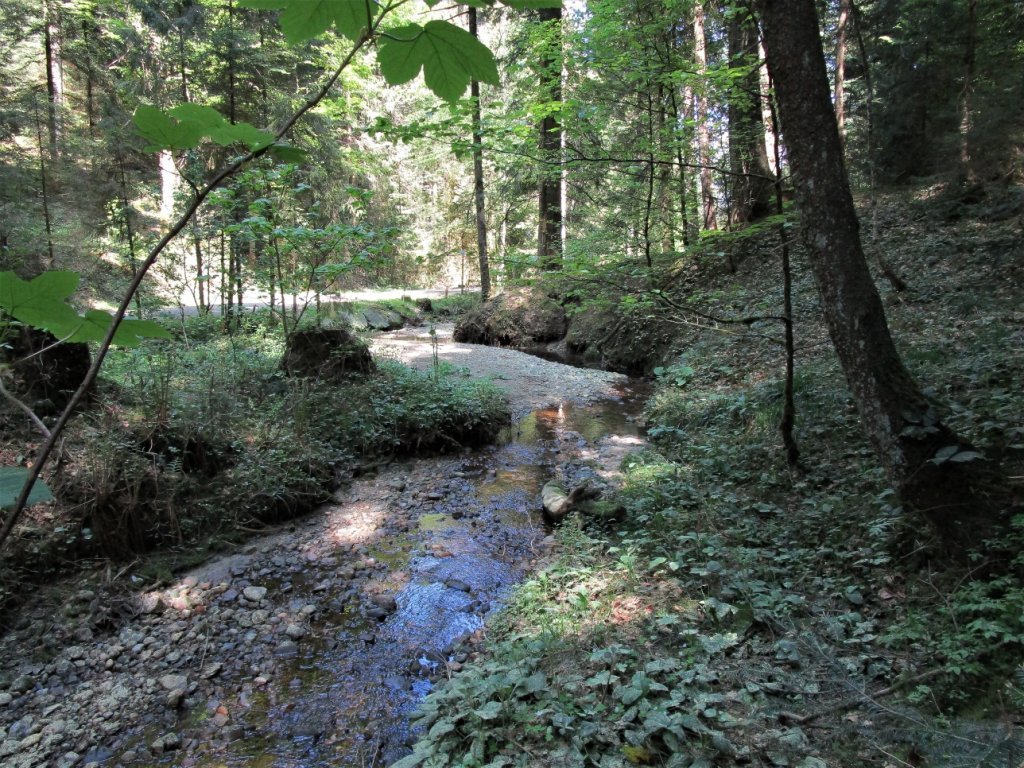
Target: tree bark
column 958, row 496
column 709, row 218
column 840, row 79
column 478, row 177
column 54, row 75
column 549, row 225
column 748, row 156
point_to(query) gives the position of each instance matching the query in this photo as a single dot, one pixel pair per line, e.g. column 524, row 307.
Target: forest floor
column 312, row 645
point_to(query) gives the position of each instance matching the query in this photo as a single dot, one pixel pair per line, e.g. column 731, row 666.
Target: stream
column 312, row 646
column 393, row 584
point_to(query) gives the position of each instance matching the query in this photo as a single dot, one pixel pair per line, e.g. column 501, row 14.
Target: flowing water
column 397, row 580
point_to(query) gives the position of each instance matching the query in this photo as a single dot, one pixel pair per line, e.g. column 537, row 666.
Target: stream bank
column 313, row 645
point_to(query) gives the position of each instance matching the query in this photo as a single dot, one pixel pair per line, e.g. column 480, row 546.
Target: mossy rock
column 382, row 319
column 521, row 317
column 326, row 353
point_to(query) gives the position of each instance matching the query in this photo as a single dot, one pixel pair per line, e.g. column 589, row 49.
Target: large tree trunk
column 748, row 157
column 549, row 226
column 478, row 177
column 919, row 453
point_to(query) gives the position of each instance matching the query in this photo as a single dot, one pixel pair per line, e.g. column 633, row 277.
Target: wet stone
column 287, row 650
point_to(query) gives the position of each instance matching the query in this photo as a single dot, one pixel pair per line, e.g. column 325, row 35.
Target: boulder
column 326, row 353
column 382, row 319
column 520, row 317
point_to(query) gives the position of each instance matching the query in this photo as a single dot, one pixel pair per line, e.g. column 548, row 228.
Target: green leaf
column 303, row 20
column 535, row 683
column 184, row 126
column 93, row 327
column 40, row 302
column 532, row 4
column 11, row 481
column 286, row 153
column 449, row 56
column 165, row 132
column 490, row 711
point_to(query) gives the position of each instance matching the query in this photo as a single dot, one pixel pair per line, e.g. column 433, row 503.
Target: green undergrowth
column 743, row 612
column 196, row 440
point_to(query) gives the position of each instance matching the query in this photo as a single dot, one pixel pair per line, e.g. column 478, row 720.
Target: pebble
column 174, row 682
column 286, row 650
column 254, row 594
column 295, row 631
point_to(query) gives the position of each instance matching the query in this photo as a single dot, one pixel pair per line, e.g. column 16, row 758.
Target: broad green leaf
column 286, row 153
column 206, row 117
column 535, row 683
column 40, row 302
column 129, row 333
column 241, row 133
column 11, row 481
column 532, row 4
column 303, row 20
column 184, row 126
column 449, row 56
column 490, row 711
column 164, row 131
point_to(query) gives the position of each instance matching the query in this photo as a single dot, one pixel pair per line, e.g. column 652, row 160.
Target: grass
column 743, row 612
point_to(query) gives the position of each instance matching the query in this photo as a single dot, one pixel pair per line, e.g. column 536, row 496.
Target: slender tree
column 919, row 453
column 549, row 215
column 478, row 175
column 709, row 218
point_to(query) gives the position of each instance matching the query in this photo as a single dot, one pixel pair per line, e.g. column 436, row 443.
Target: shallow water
column 448, row 559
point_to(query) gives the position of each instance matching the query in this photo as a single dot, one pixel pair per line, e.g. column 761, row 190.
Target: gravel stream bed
column 310, row 646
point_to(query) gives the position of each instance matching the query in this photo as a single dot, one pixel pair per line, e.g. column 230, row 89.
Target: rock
column 326, row 353
column 97, row 755
column 22, row 684
column 287, row 650
column 520, row 317
column 295, row 631
column 5, row 698
column 174, row 682
column 171, row 741
column 385, row 602
column 382, row 320
column 458, row 584
column 254, row 594
column 211, row 670
column 30, row 741
column 175, row 698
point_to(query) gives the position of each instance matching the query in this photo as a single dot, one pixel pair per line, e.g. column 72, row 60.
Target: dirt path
column 311, row 646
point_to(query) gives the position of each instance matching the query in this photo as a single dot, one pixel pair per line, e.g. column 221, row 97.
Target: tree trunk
column 839, row 98
column 478, row 177
column 54, row 75
column 707, row 191
column 549, row 225
column 967, row 93
column 748, row 157
column 919, row 453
